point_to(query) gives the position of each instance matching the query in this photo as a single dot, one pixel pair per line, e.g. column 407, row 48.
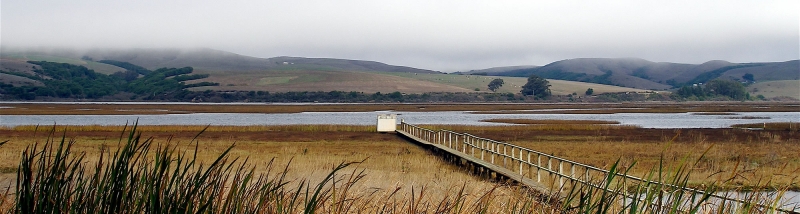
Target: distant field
column 770, row 89
column 512, row 84
column 305, row 80
column 97, row 67
column 18, row 81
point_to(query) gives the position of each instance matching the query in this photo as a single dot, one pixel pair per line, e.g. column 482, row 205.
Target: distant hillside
column 495, row 70
column 643, row 74
column 789, row 70
column 14, row 65
column 343, row 64
column 236, row 72
column 779, row 88
column 202, row 59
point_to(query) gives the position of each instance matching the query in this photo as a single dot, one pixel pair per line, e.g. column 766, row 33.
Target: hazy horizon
column 441, row 35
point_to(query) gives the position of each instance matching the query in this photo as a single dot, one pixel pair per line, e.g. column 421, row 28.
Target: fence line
column 529, row 164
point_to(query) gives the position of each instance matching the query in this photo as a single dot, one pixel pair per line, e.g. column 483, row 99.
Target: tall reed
column 141, row 176
column 665, row 189
column 144, row 177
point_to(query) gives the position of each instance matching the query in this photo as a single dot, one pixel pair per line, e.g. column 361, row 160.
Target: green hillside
column 779, row 88
column 643, row 74
column 234, row 72
column 513, row 84
column 96, row 66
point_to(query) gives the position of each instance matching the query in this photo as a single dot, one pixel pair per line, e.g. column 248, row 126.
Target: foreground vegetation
column 382, row 175
column 353, row 170
column 734, row 158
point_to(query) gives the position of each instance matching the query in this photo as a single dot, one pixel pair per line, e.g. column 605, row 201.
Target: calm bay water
column 645, row 120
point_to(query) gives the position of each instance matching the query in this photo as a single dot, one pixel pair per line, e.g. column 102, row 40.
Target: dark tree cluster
column 714, row 89
column 62, row 80
column 537, row 87
column 345, row 97
column 65, row 81
column 495, row 84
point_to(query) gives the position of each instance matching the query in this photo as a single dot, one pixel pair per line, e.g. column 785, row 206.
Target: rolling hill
column 643, row 74
column 203, row 59
column 496, row 70
column 237, row 72
column 776, row 89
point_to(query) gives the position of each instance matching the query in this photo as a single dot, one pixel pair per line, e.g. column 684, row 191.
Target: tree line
column 63, row 80
column 714, row 89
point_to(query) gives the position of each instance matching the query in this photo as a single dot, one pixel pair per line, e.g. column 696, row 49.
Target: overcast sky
column 441, row 35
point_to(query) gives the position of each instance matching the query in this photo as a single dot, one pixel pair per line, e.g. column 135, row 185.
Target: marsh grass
column 142, row 175
column 529, row 127
column 784, row 126
column 666, row 190
column 748, row 117
column 548, row 122
column 196, row 128
column 152, row 176
column 714, row 113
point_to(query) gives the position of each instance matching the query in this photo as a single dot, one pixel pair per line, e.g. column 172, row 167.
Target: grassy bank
column 183, row 172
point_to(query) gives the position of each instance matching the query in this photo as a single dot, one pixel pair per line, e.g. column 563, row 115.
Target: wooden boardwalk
column 479, row 166
column 545, row 173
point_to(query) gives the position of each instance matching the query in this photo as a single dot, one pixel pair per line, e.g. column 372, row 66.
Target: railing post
column 529, row 165
column 463, row 148
column 549, row 167
column 459, row 138
column 483, row 148
column 520, row 162
column 504, row 156
column 449, row 139
column 587, row 174
column 573, row 170
column 539, row 168
column 511, row 167
column 561, row 173
column 472, row 148
column 494, row 151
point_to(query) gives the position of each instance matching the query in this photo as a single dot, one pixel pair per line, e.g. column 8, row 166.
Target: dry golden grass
column 197, row 128
column 548, row 122
column 779, row 88
column 728, row 158
column 393, row 167
column 735, row 158
column 397, row 170
column 794, row 127
column 511, row 129
column 713, row 113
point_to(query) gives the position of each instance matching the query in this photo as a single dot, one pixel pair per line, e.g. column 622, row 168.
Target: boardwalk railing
column 560, row 174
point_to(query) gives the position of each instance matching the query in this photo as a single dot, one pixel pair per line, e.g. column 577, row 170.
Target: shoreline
column 157, row 108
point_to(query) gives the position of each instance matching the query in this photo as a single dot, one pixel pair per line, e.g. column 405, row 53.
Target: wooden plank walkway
column 500, row 171
column 545, row 173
